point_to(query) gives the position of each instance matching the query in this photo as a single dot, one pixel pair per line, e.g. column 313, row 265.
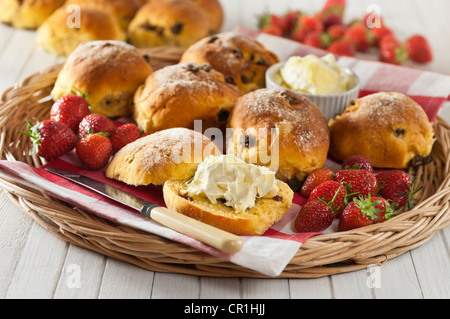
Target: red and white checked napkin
column 268, row 254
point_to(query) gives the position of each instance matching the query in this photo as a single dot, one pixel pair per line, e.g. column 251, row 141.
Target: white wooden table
column 36, row 264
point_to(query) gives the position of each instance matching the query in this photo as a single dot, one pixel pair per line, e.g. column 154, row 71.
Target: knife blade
column 205, row 233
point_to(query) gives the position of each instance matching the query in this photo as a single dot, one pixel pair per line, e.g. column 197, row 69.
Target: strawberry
column 317, row 39
column 314, row 216
column 357, row 162
column 379, row 33
column 95, row 123
column 306, row 24
column 333, row 193
column 342, row 47
column 357, row 182
column 392, row 51
column 70, row 110
column 331, row 7
column 272, row 29
column 397, row 187
column 51, row 139
column 419, row 49
column 94, row 150
column 124, row 135
column 359, row 36
column 274, row 20
column 365, row 211
column 336, row 32
column 291, row 18
column 315, row 178
column 332, row 20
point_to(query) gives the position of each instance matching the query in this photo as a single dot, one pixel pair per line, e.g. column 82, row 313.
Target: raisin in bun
column 165, row 155
column 122, row 10
column 58, row 36
column 282, row 130
column 390, row 129
column 175, row 23
column 177, row 95
column 106, row 73
column 239, row 57
column 27, row 14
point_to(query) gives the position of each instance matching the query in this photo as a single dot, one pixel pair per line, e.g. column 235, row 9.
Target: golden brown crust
column 122, row 10
column 237, row 56
column 390, row 129
column 303, row 133
column 154, row 159
column 253, row 222
column 58, row 37
column 27, row 14
column 175, row 23
column 107, row 73
column 177, row 95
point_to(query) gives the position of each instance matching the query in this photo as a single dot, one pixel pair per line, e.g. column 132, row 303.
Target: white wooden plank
column 39, row 267
column 432, row 263
column 14, row 227
column 81, row 275
column 397, row 279
column 265, row 288
column 352, row 285
column 316, row 288
column 219, row 288
column 175, row 286
column 125, row 281
column 12, row 58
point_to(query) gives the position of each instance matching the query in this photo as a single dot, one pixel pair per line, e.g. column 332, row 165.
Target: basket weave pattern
column 319, row 256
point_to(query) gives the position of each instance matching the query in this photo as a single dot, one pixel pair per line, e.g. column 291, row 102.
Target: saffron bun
column 255, row 221
column 177, row 95
column 106, row 73
column 169, row 154
column 238, row 57
column 173, row 23
column 27, row 14
column 59, row 37
column 122, row 10
column 282, row 130
column 389, row 128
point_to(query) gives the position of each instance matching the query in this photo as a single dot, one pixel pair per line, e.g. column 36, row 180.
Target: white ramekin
column 329, row 104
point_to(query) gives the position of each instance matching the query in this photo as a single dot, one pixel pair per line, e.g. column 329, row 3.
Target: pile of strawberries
column 355, row 195
column 327, row 30
column 94, row 137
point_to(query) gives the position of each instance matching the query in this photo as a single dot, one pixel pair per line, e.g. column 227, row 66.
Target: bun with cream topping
column 232, row 195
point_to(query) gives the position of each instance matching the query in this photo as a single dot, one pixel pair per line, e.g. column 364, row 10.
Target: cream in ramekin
column 322, row 80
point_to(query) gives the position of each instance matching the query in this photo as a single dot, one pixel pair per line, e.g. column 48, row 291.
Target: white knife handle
column 205, row 233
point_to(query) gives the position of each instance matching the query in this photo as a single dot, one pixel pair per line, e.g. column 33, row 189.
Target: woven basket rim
column 320, row 256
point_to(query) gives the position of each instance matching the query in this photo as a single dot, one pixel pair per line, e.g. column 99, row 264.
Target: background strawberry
column 306, row 24
column 124, row 135
column 315, row 178
column 70, row 110
column 397, row 187
column 419, row 49
column 342, row 47
column 95, row 123
column 94, row 150
column 51, row 139
column 359, row 37
column 357, row 182
column 392, row 51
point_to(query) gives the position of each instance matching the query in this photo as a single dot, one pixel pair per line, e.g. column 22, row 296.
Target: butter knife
column 205, row 233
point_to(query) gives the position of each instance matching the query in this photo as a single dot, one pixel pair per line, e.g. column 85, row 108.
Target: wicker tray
column 319, row 256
